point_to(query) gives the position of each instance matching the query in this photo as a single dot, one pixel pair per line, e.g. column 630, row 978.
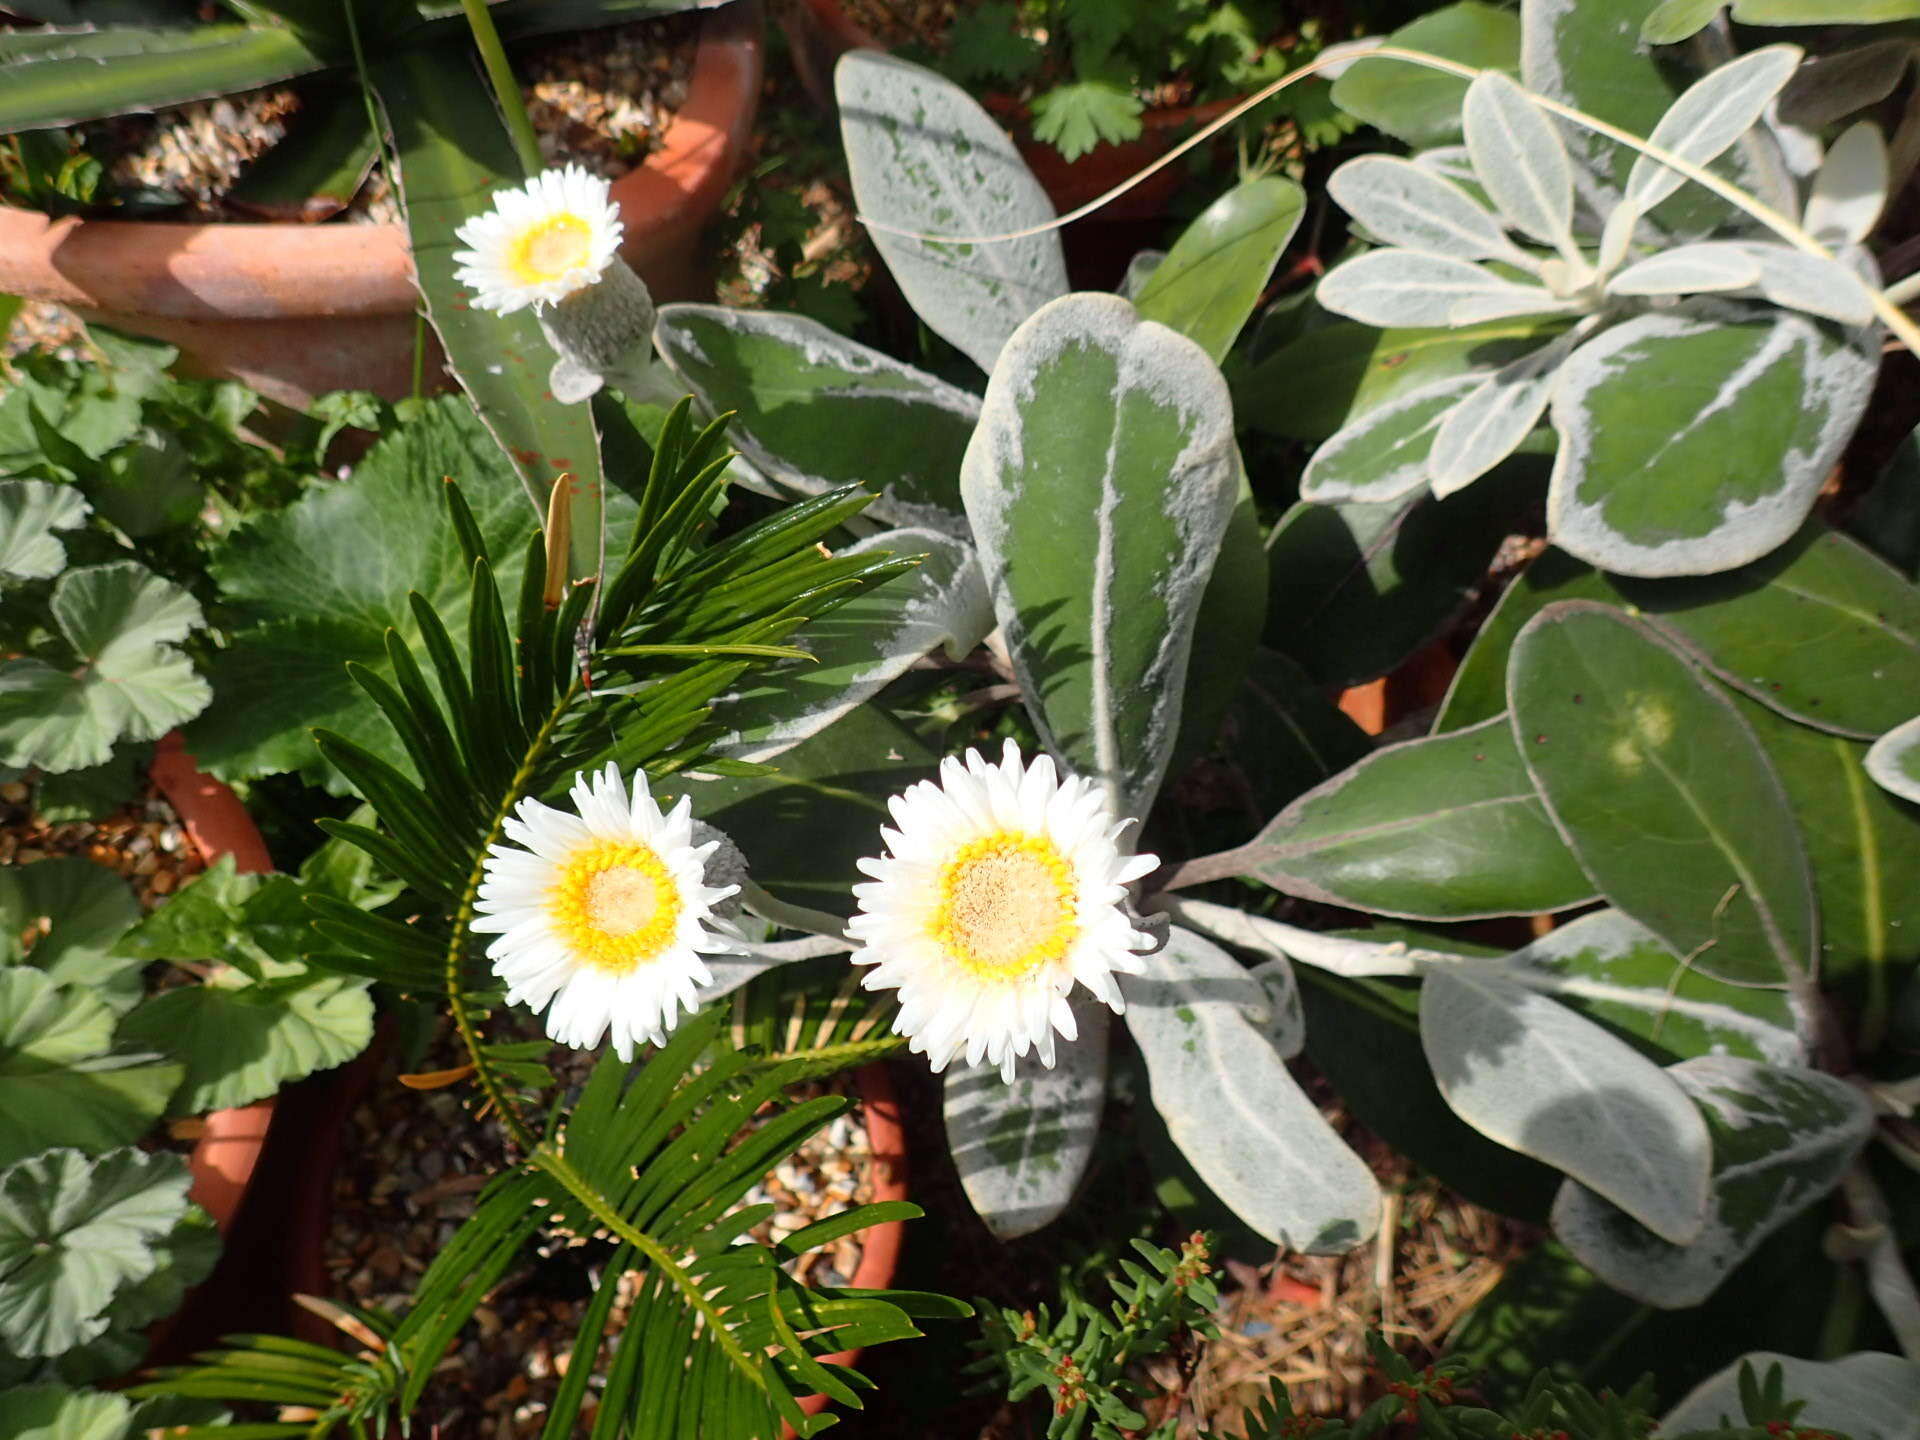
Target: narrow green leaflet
column 1210, row 281
column 1531, row 1074
column 59, row 1085
column 1894, row 761
column 818, row 411
column 1443, row 828
column 73, row 1232
column 1663, row 792
column 132, row 683
column 241, row 1039
column 76, row 911
column 1021, row 1149
column 864, row 644
column 1869, row 1396
column 1612, row 969
column 1694, row 440
column 1099, row 485
column 1422, row 106
column 452, row 152
column 1704, row 121
column 926, row 158
column 1781, row 1140
column 32, row 512
column 1229, row 1103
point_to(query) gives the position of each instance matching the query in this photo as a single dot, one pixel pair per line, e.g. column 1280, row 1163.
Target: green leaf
column 1422, row 106
column 1215, row 273
column 1330, row 377
column 1675, row 20
column 1894, row 761
column 818, row 411
column 1870, row 1396
column 1383, row 455
column 316, row 170
column 1284, row 735
column 77, row 911
column 132, row 683
column 1663, row 792
column 74, row 1232
column 1226, row 633
column 186, row 1256
column 53, row 1412
column 71, row 77
column 985, row 43
column 452, row 151
column 1824, row 12
column 924, row 157
column 58, row 1083
column 324, row 580
column 1096, row 413
column 1230, row 1104
column 95, row 791
column 1782, row 1137
column 1023, row 1148
column 1444, row 828
column 803, row 827
column 242, row 1039
column 31, row 512
column 1079, row 117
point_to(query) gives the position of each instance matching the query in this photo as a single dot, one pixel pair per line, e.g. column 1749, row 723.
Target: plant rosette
column 296, row 311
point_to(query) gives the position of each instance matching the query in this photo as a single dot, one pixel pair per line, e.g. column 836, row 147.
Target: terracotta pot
column 880, row 1244
column 295, row 311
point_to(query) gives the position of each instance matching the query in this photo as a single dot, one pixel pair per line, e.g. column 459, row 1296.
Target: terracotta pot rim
column 279, row 270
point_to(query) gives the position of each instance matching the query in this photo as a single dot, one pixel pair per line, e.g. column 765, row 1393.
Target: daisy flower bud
column 1001, row 887
column 602, row 913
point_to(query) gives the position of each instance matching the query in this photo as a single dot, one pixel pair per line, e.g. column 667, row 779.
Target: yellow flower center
column 616, row 905
column 1006, row 906
column 550, row 249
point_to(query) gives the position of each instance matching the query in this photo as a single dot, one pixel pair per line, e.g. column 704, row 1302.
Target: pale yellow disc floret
column 1006, row 906
column 616, row 905
column 550, row 249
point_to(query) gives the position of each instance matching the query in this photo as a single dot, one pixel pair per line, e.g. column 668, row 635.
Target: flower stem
column 513, row 109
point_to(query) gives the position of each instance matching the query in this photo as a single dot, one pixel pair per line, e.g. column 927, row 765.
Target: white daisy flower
column 1001, row 887
column 604, row 913
column 541, row 242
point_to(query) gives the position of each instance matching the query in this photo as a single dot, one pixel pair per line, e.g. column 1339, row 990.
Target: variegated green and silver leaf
column 1099, row 484
column 1850, row 188
column 1869, row 1396
column 1519, row 158
column 817, row 411
column 924, row 157
column 1386, row 453
column 1401, row 203
column 1236, row 1113
column 1694, row 440
column 1709, row 265
column 1796, row 280
column 1492, row 420
column 1781, row 1139
column 1021, row 1149
column 1531, row 1074
column 864, row 644
column 1894, row 761
column 1411, row 287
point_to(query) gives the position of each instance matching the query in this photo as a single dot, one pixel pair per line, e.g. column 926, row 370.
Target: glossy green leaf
column 122, row 621
column 1212, row 278
column 84, row 76
column 452, row 153
column 1445, row 828
column 1421, row 106
column 1328, row 378
column 32, row 512
column 1695, row 440
column 1099, row 484
column 1226, row 633
column 1824, row 12
column 1284, row 736
column 1869, row 1396
column 1022, row 1149
column 926, row 158
column 1236, row 1113
column 76, row 912
column 1675, row 20
column 59, row 1085
column 73, row 1231
column 1782, row 1137
column 1538, row 1078
column 1661, row 789
column 818, row 411
column 1894, row 760
column 803, row 827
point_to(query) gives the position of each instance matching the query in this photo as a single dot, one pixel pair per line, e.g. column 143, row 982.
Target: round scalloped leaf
column 74, row 1233
column 31, row 512
column 77, row 911
column 241, row 1040
column 53, row 1412
column 59, row 1085
column 1695, row 440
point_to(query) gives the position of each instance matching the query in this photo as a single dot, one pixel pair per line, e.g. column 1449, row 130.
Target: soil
column 142, row 841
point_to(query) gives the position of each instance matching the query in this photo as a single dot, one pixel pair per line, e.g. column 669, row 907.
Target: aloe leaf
column 316, row 171
column 1531, row 1074
column 1208, row 284
column 80, row 76
column 1100, row 483
column 926, row 158
column 452, row 152
column 1782, row 1137
column 1022, row 1149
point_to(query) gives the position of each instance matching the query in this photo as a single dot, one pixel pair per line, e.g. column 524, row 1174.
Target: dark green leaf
column 1421, row 106
column 1209, row 282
